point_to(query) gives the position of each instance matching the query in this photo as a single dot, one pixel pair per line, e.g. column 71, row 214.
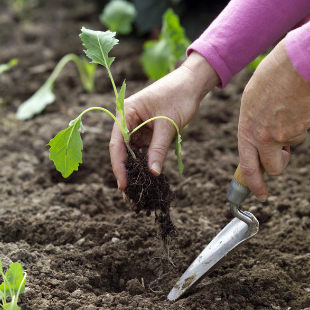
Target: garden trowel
column 242, row 227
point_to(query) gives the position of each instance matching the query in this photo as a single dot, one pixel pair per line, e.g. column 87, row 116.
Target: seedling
column 66, row 147
column 160, row 57
column 118, row 16
column 255, row 63
column 45, row 96
column 5, row 67
column 12, row 286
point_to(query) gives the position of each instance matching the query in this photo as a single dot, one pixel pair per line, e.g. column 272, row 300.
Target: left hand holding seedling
column 177, row 96
column 275, row 113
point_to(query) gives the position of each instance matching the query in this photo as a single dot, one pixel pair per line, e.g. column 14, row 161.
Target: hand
column 274, row 114
column 177, row 95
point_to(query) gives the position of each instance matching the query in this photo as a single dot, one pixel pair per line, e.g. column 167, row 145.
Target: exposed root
column 149, row 193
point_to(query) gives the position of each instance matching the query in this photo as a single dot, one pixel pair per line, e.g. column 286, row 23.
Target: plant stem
column 154, row 118
column 130, row 150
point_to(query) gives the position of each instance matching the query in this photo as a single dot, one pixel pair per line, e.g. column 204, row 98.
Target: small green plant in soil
column 255, row 63
column 66, row 147
column 5, row 67
column 13, row 285
column 45, row 96
column 20, row 7
column 160, row 57
column 118, row 16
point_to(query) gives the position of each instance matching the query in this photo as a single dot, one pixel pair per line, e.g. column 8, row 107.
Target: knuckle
column 262, row 136
column 248, row 171
column 159, row 149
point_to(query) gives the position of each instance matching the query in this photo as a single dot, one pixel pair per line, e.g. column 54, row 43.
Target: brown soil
column 81, row 244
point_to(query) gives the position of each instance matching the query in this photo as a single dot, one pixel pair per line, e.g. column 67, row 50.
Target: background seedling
column 255, row 63
column 45, row 96
column 118, row 16
column 5, row 67
column 160, row 57
column 12, row 286
column 66, row 147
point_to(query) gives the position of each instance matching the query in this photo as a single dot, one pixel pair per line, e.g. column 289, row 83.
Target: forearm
column 244, row 29
column 206, row 77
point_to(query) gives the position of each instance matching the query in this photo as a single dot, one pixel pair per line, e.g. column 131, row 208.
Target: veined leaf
column 66, row 149
column 15, row 276
column 36, row 103
column 118, row 15
column 5, row 67
column 98, row 45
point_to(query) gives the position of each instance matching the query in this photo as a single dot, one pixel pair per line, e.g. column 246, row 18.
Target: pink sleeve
column 298, row 49
column 244, row 29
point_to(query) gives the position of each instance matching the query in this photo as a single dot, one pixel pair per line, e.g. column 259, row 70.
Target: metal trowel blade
column 234, row 233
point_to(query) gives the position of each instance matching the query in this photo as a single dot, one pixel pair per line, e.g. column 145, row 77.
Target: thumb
column 162, row 136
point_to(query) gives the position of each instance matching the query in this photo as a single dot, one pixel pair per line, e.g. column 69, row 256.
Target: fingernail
column 118, row 184
column 155, row 167
column 263, row 198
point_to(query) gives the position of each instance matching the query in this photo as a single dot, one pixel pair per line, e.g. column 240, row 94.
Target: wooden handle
column 239, row 177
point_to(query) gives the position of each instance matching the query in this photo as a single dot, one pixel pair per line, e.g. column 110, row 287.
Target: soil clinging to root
column 149, row 193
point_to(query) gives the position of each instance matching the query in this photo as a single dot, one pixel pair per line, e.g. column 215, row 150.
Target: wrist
column 205, row 77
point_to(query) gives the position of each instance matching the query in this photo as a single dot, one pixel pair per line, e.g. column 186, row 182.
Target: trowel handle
column 238, row 189
column 239, row 177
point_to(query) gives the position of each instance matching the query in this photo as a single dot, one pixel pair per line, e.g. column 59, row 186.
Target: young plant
column 66, row 147
column 160, row 57
column 5, row 67
column 45, row 96
column 255, row 63
column 12, row 286
column 118, row 16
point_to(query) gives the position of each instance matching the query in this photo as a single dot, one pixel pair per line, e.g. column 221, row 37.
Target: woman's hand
column 275, row 114
column 177, row 95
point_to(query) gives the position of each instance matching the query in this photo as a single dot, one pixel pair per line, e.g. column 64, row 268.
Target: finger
column 251, row 169
column 273, row 158
column 162, row 136
column 118, row 157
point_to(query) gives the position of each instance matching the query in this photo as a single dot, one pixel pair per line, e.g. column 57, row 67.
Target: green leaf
column 66, row 149
column 118, row 15
column 14, row 275
column 98, row 45
column 255, row 63
column 160, row 57
column 5, row 67
column 87, row 72
column 156, row 59
column 173, row 32
column 11, row 306
column 36, row 103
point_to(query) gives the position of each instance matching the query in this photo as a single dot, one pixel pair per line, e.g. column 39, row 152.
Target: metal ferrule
column 237, row 193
